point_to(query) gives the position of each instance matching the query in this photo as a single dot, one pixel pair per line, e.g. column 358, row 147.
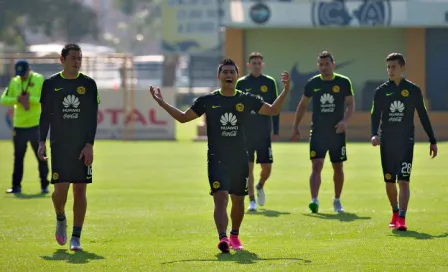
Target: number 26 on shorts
column 406, row 168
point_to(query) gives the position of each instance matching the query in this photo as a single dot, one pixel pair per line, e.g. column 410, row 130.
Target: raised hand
column 285, row 79
column 156, row 94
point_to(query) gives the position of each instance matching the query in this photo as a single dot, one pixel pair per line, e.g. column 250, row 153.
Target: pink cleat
column 235, row 242
column 224, row 245
column 393, row 221
column 61, row 232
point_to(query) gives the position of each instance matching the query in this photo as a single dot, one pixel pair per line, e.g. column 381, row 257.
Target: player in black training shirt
column 394, row 104
column 333, row 106
column 69, row 107
column 227, row 111
column 259, row 127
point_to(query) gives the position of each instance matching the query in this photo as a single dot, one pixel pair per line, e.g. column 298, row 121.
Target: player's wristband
column 433, row 141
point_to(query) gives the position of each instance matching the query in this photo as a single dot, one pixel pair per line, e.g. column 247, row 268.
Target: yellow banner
column 190, row 26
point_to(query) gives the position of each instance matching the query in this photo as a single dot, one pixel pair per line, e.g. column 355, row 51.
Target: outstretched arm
column 180, row 116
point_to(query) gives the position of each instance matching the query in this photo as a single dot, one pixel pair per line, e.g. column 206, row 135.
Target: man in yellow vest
column 23, row 92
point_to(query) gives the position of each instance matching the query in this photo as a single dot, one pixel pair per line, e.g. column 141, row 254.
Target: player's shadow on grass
column 241, row 257
column 343, row 216
column 268, row 213
column 31, row 196
column 79, row 257
column 417, row 235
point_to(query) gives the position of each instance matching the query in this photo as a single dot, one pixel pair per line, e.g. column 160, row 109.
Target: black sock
column 60, row 217
column 76, row 231
column 395, row 208
column 234, row 232
column 402, row 213
column 222, row 235
column 252, row 198
column 259, row 186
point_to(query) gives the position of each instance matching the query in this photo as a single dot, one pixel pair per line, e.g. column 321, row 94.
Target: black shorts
column 334, row 143
column 67, row 167
column 262, row 147
column 396, row 160
column 232, row 177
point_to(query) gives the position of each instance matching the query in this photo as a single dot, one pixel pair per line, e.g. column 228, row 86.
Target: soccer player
column 227, row 111
column 259, row 127
column 394, row 104
column 23, row 92
column 69, row 107
column 333, row 106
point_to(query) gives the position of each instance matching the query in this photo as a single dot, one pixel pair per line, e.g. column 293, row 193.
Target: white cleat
column 337, row 206
column 261, row 197
column 252, row 206
column 75, row 244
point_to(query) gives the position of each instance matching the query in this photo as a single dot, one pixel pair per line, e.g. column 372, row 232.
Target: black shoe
column 45, row 190
column 14, row 191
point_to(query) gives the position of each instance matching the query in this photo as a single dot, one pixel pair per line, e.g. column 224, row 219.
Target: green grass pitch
column 149, row 210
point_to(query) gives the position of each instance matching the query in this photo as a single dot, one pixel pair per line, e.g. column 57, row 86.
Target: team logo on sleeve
column 264, row 88
column 405, row 93
column 336, row 89
column 55, row 176
column 216, row 184
column 81, row 90
column 239, row 107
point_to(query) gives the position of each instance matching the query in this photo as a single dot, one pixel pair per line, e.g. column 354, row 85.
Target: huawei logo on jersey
column 327, row 103
column 397, row 106
column 396, row 111
column 228, row 121
column 71, row 104
column 228, row 118
column 326, row 98
column 71, row 100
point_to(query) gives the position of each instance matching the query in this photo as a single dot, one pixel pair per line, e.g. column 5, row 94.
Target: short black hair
column 398, row 57
column 69, row 47
column 227, row 62
column 255, row 55
column 324, row 55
